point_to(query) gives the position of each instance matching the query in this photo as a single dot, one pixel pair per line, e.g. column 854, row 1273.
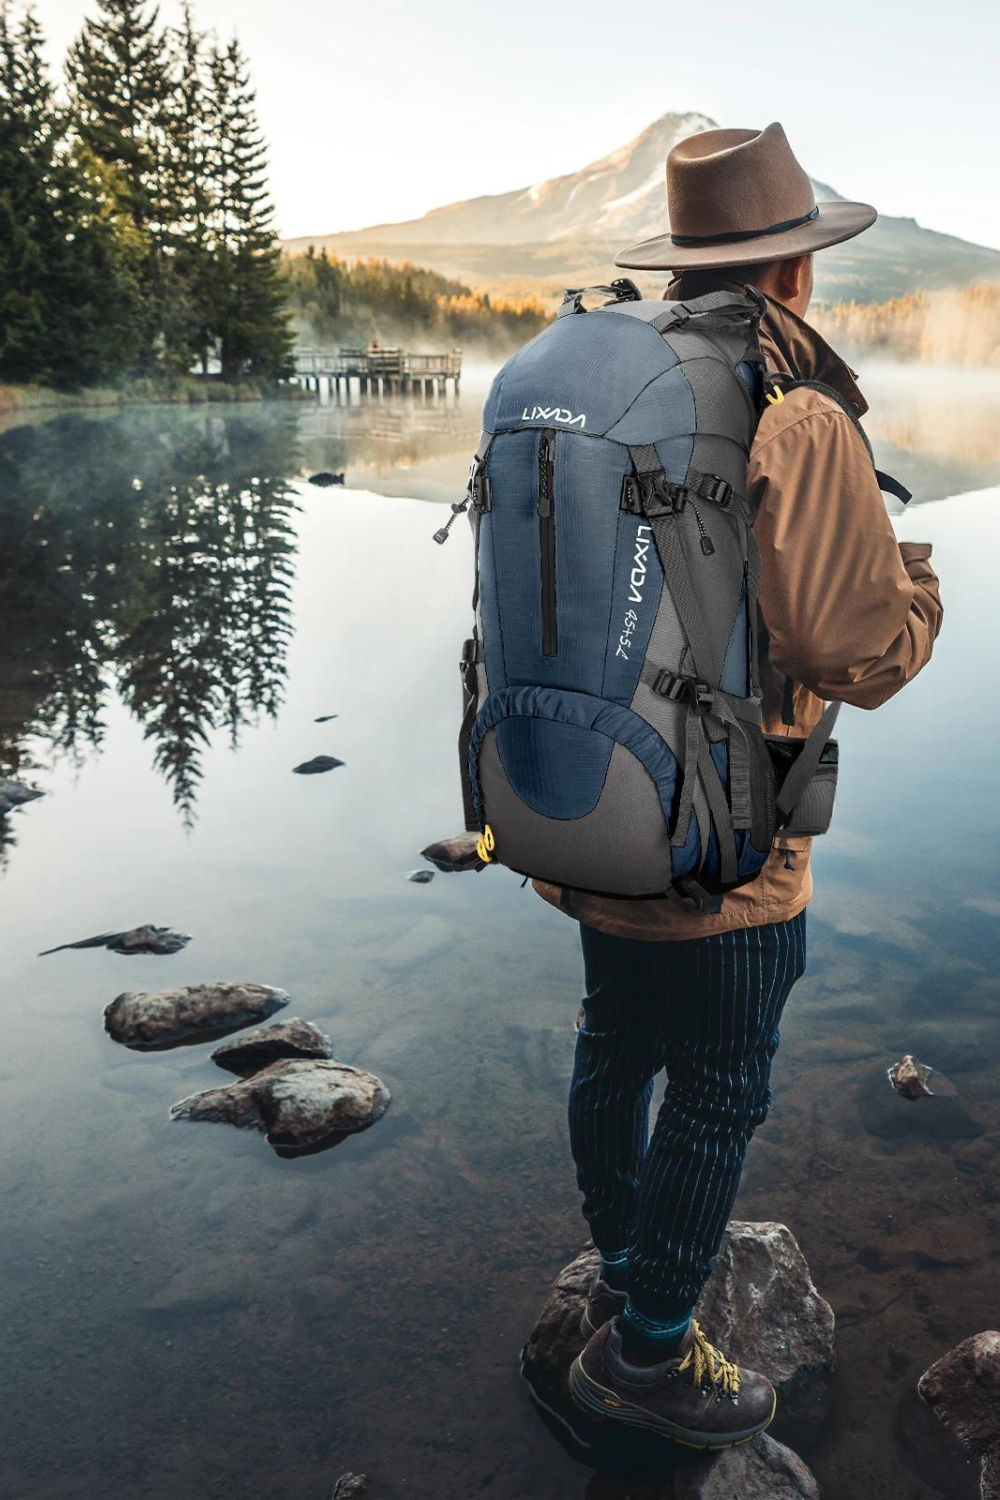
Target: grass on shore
column 186, row 390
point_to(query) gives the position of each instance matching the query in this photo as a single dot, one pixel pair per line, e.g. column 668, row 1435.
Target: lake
column 186, row 1313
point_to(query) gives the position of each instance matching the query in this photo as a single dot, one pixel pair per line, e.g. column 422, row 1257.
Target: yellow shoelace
column 707, row 1364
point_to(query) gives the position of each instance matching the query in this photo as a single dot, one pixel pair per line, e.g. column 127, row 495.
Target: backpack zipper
column 707, row 545
column 547, row 539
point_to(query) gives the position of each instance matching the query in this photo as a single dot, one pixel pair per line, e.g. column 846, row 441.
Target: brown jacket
column 851, row 613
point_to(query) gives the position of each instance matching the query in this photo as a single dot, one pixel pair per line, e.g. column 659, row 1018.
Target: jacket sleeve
column 850, row 612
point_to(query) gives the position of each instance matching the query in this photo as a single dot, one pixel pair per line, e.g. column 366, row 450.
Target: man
column 848, row 614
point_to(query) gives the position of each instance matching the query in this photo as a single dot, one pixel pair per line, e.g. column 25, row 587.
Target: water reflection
column 151, row 552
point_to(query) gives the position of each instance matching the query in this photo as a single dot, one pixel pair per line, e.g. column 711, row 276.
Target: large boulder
column 963, row 1389
column 762, row 1309
column 761, row 1470
column 161, row 1018
column 760, row 1306
column 298, row 1102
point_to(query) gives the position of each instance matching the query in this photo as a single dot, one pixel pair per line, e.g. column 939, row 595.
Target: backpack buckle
column 658, row 497
column 719, row 491
column 479, row 488
column 697, row 694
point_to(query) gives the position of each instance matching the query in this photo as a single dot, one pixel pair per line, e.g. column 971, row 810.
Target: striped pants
column 707, row 1011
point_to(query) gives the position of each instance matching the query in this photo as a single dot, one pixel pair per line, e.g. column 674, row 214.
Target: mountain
column 569, row 228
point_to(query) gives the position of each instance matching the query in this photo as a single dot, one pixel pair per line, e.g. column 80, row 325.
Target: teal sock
column 647, row 1341
column 614, row 1270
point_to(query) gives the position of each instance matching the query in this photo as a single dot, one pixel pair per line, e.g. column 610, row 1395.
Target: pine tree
column 67, row 288
column 25, row 103
column 119, row 85
column 249, row 291
column 189, row 129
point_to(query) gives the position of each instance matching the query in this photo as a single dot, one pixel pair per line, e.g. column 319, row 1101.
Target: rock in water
column 760, row 1307
column 945, row 1119
column 317, row 764
column 147, row 939
column 324, row 479
column 294, row 1103
column 162, row 1017
column 350, row 1487
column 15, row 794
column 325, row 718
column 291, row 1038
column 963, row 1389
column 458, row 853
column 909, row 1077
column 990, row 1481
column 761, row 1470
column 420, row 877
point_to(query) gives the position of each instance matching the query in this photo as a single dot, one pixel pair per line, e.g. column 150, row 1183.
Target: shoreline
column 191, row 391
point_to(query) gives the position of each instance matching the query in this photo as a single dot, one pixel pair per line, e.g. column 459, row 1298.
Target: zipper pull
column 457, row 509
column 705, row 541
column 460, row 506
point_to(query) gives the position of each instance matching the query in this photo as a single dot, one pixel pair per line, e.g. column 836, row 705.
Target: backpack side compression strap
column 806, row 762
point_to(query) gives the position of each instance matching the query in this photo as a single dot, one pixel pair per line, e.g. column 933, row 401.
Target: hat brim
column 837, row 221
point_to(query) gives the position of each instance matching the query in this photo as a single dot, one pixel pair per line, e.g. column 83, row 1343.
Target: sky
column 378, row 110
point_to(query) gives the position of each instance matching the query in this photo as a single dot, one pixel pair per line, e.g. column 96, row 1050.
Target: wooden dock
column 379, row 371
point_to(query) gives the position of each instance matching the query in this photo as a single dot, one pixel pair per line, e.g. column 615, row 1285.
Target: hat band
column 736, row 235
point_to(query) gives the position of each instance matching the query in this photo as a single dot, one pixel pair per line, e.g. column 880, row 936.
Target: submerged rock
column 454, row 854
column 944, row 1118
column 317, row 764
column 162, row 1017
column 325, row 718
column 15, row 794
column 909, row 1077
column 212, row 1284
column 291, row 1038
column 420, row 877
column 963, row 1389
column 324, row 479
column 350, row 1487
column 294, row 1103
column 146, row 939
column 760, row 1307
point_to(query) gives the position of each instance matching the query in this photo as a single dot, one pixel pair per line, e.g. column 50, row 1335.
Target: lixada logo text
column 636, row 584
column 554, row 414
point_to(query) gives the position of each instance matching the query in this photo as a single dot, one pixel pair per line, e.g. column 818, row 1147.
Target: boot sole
column 599, row 1400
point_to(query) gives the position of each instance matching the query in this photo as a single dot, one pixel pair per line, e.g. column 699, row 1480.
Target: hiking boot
column 603, row 1304
column 698, row 1397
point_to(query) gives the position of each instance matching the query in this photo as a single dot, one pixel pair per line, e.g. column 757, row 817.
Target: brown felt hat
column 739, row 197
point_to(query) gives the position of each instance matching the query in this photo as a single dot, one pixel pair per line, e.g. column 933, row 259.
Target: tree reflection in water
column 151, row 552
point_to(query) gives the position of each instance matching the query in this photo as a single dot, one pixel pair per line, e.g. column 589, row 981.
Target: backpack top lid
column 612, row 373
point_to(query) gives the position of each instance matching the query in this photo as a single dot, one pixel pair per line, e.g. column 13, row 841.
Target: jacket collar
column 789, row 343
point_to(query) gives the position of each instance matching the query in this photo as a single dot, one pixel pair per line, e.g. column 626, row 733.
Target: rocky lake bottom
column 187, row 1311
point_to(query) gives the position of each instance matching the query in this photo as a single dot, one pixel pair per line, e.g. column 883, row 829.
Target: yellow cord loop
column 775, row 397
column 707, row 1364
column 486, row 845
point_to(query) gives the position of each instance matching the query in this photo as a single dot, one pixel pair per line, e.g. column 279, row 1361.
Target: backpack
column 611, row 735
